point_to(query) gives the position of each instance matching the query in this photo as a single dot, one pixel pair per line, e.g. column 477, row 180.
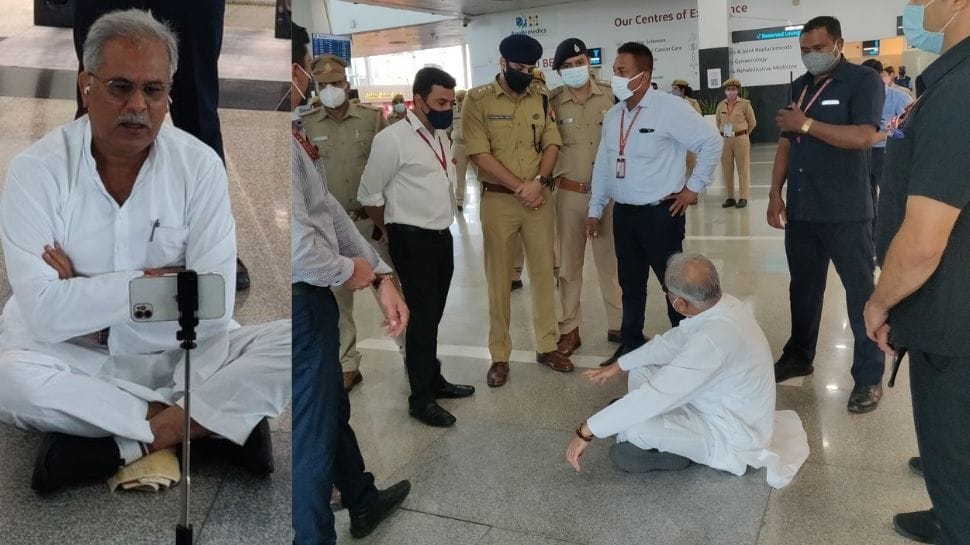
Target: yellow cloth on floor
column 151, row 473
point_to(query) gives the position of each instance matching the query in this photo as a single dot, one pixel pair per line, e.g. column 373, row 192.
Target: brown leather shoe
column 352, row 379
column 555, row 361
column 569, row 342
column 613, row 336
column 498, row 374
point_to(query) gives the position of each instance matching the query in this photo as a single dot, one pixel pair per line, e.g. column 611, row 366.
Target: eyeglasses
column 122, row 90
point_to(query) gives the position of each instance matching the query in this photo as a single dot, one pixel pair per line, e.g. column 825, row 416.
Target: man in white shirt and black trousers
column 408, row 190
column 641, row 165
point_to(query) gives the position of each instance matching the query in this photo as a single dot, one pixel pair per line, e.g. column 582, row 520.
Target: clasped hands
column 576, row 448
column 529, row 194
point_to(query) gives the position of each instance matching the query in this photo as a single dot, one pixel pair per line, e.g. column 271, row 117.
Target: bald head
column 693, row 278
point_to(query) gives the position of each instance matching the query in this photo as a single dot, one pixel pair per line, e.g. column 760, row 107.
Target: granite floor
column 499, row 476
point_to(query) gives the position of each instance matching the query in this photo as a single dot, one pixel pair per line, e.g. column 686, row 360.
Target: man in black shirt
column 824, row 156
column 923, row 244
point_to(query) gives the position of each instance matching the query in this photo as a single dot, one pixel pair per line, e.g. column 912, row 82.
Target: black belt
column 413, row 229
column 302, row 288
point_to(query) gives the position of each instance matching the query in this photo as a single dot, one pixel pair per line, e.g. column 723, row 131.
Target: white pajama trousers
column 41, row 392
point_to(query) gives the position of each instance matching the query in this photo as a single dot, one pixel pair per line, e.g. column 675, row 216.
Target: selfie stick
column 187, row 295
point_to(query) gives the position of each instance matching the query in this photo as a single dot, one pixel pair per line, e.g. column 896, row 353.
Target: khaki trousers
column 461, row 168
column 349, row 356
column 504, row 221
column 737, row 150
column 572, row 209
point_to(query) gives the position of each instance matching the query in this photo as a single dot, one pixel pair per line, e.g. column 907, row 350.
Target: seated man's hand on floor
column 603, row 375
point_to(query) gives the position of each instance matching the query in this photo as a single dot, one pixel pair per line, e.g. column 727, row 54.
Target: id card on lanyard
column 624, row 137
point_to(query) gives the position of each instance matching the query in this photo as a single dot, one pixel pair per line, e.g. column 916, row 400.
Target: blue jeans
column 325, row 450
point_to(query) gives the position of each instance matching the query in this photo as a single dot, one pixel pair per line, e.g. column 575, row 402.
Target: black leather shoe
column 921, row 526
column 916, row 464
column 865, row 399
column 730, row 203
column 790, row 366
column 623, row 349
column 742, row 203
column 454, row 391
column 434, row 415
column 516, row 285
column 64, row 460
column 365, row 521
column 242, row 276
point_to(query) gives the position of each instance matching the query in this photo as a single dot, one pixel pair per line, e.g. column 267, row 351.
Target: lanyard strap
column 811, row 103
column 443, row 159
column 307, row 146
column 625, row 135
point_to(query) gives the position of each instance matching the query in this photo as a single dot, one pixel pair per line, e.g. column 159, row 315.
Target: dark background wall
column 766, row 100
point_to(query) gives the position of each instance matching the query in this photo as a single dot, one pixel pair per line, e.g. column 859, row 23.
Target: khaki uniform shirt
column 514, row 131
column 580, row 126
column 344, row 147
column 395, row 117
column 455, row 130
column 742, row 116
column 694, row 104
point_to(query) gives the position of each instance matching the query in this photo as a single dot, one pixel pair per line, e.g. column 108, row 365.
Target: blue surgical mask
column 575, row 77
column 916, row 33
column 399, row 108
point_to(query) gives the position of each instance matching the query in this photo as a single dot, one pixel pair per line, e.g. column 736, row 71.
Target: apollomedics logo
column 528, row 24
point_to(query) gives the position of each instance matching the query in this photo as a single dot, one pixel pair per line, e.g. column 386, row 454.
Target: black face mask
column 517, row 81
column 440, row 120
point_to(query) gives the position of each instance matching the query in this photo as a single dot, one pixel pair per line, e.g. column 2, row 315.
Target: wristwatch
column 807, row 125
column 380, row 278
column 544, row 181
column 579, row 433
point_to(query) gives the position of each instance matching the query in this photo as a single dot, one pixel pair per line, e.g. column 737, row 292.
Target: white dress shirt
column 717, row 365
column 655, row 154
column 405, row 175
column 323, row 239
column 178, row 214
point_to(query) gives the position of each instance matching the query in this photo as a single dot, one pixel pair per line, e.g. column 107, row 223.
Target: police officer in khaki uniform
column 512, row 139
column 458, row 149
column 342, row 133
column 399, row 110
column 681, row 88
column 580, row 105
column 735, row 121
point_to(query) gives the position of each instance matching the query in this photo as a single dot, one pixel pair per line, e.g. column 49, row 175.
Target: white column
column 313, row 14
column 712, row 23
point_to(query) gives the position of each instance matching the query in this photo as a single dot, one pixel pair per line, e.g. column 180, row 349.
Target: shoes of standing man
column 789, row 366
column 555, row 361
column 498, row 374
column 916, row 464
column 613, row 336
column 454, row 391
column 365, row 521
column 433, row 415
column 730, row 203
column 569, row 342
column 516, row 285
column 921, row 526
column 65, row 460
column 742, row 203
column 352, row 379
column 623, row 349
column 242, row 276
column 864, row 399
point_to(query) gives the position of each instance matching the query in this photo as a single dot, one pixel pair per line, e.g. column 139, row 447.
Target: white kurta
column 178, row 213
column 706, row 390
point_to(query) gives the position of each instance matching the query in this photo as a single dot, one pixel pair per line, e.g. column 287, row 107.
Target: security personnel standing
column 512, row 139
column 342, row 133
column 681, row 88
column 580, row 105
column 458, row 150
column 399, row 110
column 735, row 121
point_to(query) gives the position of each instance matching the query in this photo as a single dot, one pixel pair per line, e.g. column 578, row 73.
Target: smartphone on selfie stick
column 185, row 297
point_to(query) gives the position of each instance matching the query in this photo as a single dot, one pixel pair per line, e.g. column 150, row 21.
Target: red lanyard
column 443, row 159
column 308, row 147
column 625, row 135
column 801, row 99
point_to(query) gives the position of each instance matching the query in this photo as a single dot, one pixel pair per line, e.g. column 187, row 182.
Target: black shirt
column 933, row 160
column 827, row 184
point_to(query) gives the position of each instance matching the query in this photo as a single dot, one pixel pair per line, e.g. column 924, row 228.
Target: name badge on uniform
column 831, row 102
column 728, row 130
column 503, row 117
column 321, row 138
column 568, row 120
column 620, row 168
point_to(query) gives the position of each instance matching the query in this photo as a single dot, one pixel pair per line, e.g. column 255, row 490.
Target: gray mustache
column 131, row 118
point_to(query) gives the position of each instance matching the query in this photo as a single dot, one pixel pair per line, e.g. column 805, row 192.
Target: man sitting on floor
column 702, row 392
column 113, row 196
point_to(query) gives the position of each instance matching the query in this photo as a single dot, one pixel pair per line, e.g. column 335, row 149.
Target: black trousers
column 810, row 247
column 941, row 409
column 424, row 261
column 644, row 237
column 195, row 87
column 875, row 181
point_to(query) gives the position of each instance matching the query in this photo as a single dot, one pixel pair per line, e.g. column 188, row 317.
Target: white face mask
column 333, row 97
column 621, row 89
column 575, row 77
column 399, row 108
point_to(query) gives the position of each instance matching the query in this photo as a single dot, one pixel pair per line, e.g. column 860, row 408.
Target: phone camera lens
column 139, row 315
column 148, row 314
